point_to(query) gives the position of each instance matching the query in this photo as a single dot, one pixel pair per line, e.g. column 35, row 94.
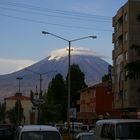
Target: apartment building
column 95, row 102
column 126, row 24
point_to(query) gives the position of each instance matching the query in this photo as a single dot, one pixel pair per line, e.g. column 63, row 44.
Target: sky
column 22, row 22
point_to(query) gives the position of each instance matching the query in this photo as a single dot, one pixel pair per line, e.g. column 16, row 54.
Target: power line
column 53, row 24
column 31, row 7
column 56, row 16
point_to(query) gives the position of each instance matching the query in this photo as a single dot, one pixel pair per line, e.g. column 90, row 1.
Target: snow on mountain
column 59, row 53
column 57, row 62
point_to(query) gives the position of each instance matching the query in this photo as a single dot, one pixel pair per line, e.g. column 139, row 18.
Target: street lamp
column 40, row 79
column 69, row 55
column 40, row 93
column 19, row 78
column 18, row 115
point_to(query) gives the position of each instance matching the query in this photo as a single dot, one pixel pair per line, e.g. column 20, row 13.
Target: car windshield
column 129, row 130
column 40, row 135
column 88, row 137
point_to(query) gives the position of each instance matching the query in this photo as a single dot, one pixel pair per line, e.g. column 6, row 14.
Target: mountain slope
column 92, row 66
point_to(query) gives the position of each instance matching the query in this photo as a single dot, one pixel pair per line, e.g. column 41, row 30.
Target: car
column 85, row 136
column 10, row 126
column 117, row 129
column 92, row 130
column 6, row 134
column 37, row 132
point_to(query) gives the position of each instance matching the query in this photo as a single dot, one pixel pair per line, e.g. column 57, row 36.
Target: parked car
column 6, row 134
column 85, row 136
column 10, row 126
column 117, row 129
column 37, row 132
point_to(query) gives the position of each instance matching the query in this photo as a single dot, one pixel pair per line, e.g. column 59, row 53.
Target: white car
column 117, row 129
column 37, row 132
column 85, row 136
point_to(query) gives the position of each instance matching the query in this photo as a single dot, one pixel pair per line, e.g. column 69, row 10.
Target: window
column 125, row 16
column 125, row 95
column 121, row 76
column 128, row 130
column 108, row 131
column 94, row 93
column 40, row 135
column 117, row 43
column 126, row 36
column 126, row 55
column 138, row 17
column 105, row 131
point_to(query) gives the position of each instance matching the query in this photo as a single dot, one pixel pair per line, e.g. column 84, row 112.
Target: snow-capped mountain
column 93, row 66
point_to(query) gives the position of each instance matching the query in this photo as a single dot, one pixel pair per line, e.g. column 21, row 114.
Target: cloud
column 58, row 53
column 12, row 65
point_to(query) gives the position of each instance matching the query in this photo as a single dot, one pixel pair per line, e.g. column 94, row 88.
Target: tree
column 57, row 89
column 77, row 80
column 2, row 112
column 31, row 95
column 55, row 108
column 105, row 78
column 15, row 114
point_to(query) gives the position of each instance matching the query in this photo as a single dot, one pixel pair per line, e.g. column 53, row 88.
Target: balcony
column 113, row 21
column 113, row 54
column 120, row 13
column 113, row 37
column 120, row 49
column 119, row 31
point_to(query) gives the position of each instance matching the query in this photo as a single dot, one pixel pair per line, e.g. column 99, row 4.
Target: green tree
column 55, row 108
column 31, row 95
column 77, row 80
column 15, row 114
column 105, row 78
column 2, row 112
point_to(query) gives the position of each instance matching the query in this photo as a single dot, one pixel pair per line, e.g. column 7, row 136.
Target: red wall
column 104, row 101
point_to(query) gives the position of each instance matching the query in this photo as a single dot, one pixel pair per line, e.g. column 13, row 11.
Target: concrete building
column 25, row 102
column 95, row 102
column 126, row 25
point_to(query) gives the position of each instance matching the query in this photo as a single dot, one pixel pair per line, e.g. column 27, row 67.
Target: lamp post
column 19, row 78
column 40, row 79
column 18, row 115
column 40, row 90
column 69, row 62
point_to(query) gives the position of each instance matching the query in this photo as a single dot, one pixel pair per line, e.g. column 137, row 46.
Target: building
column 25, row 102
column 126, row 33
column 95, row 102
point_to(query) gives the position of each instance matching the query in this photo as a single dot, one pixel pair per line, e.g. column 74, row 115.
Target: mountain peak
column 59, row 53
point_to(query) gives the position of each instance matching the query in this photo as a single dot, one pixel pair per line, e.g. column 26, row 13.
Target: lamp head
column 19, row 78
column 93, row 36
column 44, row 32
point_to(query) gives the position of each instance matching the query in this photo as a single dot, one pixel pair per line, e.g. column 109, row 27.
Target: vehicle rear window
column 129, row 130
column 40, row 135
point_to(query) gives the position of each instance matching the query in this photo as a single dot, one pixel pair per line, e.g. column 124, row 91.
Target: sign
column 72, row 113
column 110, row 78
column 38, row 102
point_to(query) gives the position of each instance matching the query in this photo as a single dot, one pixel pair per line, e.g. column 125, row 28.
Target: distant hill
column 93, row 67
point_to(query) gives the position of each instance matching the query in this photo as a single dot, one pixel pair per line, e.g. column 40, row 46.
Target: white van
column 37, row 132
column 118, row 129
column 74, row 126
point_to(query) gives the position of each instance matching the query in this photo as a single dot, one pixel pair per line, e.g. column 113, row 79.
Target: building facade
column 126, row 26
column 26, row 105
column 95, row 102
